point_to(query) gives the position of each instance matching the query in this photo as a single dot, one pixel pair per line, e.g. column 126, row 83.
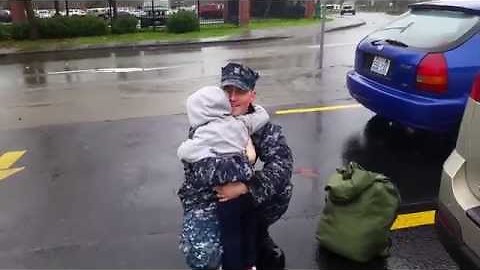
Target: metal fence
column 278, row 9
column 213, row 12
column 154, row 13
column 149, row 13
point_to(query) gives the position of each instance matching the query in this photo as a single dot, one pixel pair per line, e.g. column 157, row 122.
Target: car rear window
column 428, row 29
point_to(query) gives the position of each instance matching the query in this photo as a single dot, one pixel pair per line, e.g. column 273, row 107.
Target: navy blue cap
column 239, row 76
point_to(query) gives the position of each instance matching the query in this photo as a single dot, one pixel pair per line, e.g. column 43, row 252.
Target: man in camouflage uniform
column 270, row 188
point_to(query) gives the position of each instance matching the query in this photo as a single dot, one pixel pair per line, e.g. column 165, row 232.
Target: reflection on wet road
column 412, row 160
column 324, row 141
column 120, row 84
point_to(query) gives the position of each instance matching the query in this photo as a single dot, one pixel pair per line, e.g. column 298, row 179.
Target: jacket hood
column 207, row 104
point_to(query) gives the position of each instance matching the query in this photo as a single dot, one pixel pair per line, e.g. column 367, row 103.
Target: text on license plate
column 380, row 65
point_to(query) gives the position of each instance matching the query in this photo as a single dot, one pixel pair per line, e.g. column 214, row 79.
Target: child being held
column 216, row 134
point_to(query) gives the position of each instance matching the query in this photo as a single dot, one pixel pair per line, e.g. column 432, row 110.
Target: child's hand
column 230, row 191
column 250, row 151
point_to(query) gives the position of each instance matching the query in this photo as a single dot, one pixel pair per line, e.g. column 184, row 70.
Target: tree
column 67, row 9
column 31, row 19
column 113, row 5
column 115, row 11
column 56, row 4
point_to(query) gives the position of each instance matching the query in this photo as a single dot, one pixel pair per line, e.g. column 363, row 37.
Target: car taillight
column 476, row 89
column 432, row 74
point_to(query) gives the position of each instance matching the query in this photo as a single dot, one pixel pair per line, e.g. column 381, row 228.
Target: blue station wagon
column 418, row 70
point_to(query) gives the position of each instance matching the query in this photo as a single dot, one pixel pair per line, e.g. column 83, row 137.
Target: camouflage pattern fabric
column 270, row 189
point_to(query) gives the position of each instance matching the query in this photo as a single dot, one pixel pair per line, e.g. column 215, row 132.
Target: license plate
column 380, row 65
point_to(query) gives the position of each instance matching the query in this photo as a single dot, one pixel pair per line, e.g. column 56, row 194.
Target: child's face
column 239, row 99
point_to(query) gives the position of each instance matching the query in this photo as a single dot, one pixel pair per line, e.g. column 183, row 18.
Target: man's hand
column 230, row 191
column 250, row 151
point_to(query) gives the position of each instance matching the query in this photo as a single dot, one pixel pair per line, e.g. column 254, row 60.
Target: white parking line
column 70, row 72
column 317, row 46
column 111, row 70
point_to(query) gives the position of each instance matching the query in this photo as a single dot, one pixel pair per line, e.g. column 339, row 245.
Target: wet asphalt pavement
column 100, row 85
column 99, row 187
column 102, row 195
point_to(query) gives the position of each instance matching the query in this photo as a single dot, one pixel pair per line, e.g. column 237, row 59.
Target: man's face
column 239, row 99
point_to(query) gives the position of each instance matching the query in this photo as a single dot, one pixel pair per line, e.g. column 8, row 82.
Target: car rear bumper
column 409, row 109
column 456, row 231
column 454, row 245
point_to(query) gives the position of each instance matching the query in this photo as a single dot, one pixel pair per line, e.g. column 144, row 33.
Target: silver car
column 347, row 8
column 458, row 215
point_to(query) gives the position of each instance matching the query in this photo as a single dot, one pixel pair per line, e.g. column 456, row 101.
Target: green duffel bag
column 360, row 208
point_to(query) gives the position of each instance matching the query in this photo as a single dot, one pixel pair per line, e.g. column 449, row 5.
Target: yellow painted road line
column 6, row 173
column 414, row 220
column 9, row 158
column 318, row 109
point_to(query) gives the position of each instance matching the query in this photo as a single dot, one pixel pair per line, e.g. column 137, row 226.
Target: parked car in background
column 107, row 15
column 77, row 12
column 44, row 13
column 74, row 12
column 331, row 7
column 458, row 214
column 347, row 8
column 419, row 69
column 138, row 13
column 211, row 11
column 5, row 16
column 192, row 8
column 96, row 11
column 156, row 17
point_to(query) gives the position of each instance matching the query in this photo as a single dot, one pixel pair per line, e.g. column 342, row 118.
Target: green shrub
column 55, row 27
column 294, row 12
column 87, row 26
column 74, row 26
column 124, row 24
column 20, row 31
column 183, row 21
column 5, row 31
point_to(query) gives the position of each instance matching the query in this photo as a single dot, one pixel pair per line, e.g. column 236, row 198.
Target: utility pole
column 31, row 19
column 67, row 12
column 198, row 9
column 153, row 14
column 322, row 33
column 115, row 11
column 56, row 3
